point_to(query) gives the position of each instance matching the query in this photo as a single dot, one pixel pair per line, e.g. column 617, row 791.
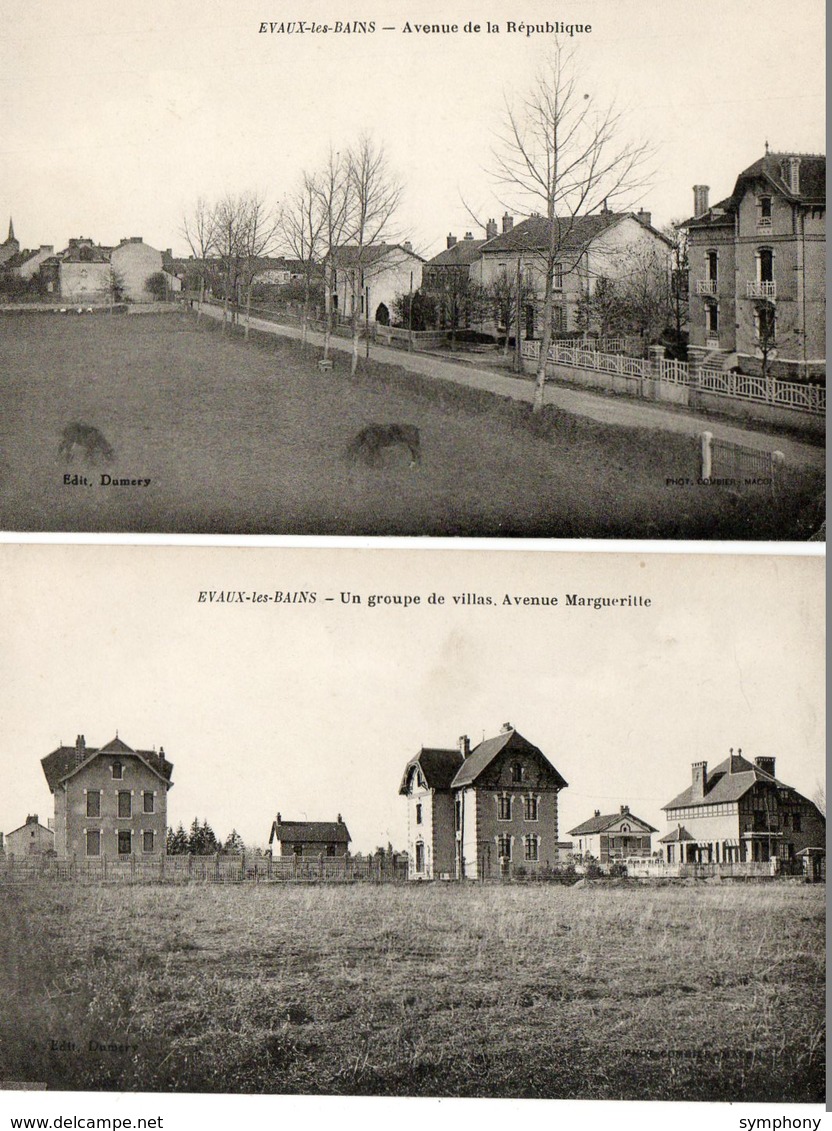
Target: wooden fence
column 204, row 869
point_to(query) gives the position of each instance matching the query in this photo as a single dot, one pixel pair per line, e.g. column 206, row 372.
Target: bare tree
column 374, row 195
column 230, row 243
column 200, row 230
column 679, row 278
column 561, row 155
column 508, row 295
column 333, row 203
column 258, row 233
column 303, row 227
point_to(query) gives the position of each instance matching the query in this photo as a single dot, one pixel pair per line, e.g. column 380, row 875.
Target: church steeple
column 11, row 231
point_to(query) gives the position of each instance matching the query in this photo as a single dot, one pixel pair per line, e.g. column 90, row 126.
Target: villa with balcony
column 758, row 269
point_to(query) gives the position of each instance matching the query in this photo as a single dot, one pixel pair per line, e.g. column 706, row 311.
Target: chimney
column 32, row 819
column 80, row 749
column 699, row 774
column 464, row 745
column 735, row 761
column 340, row 819
column 508, row 222
column 491, row 229
column 793, row 179
column 700, row 199
column 644, row 217
column 469, row 235
column 597, row 812
column 505, row 728
column 625, row 809
column 451, row 240
column 605, row 210
column 765, row 764
column 407, row 245
column 278, row 818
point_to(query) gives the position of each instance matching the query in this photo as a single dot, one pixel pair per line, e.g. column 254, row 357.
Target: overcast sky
column 118, row 117
column 315, row 709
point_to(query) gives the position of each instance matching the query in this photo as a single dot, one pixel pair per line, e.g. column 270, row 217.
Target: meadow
column 679, row 992
column 251, row 438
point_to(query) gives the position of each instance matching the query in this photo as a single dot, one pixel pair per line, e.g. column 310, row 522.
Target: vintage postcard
column 413, row 823
column 483, row 270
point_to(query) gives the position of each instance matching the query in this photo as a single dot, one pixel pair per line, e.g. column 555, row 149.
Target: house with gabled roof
column 757, row 263
column 368, row 279
column 475, row 814
column 611, row 837
column 738, row 812
column 31, row 839
column 110, row 801
column 604, row 245
column 309, row 838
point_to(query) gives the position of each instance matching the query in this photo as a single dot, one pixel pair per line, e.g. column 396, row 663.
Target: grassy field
column 251, row 438
column 676, row 992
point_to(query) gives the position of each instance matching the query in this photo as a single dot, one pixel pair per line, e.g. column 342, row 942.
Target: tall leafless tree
column 258, row 234
column 230, row 243
column 200, row 230
column 565, row 157
column 303, row 230
column 374, row 195
column 333, row 196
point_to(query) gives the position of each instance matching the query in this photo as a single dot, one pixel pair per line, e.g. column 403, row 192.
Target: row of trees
column 201, row 840
column 561, row 155
column 350, row 200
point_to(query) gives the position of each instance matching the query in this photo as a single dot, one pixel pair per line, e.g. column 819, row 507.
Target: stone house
column 737, row 812
column 109, row 801
column 758, row 269
column 610, row 837
column 605, row 245
column 80, row 273
column 476, row 814
column 369, row 279
column 31, row 839
column 134, row 262
column 309, row 838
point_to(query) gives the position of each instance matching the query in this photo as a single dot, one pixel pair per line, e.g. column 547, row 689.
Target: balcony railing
column 757, row 289
column 706, row 286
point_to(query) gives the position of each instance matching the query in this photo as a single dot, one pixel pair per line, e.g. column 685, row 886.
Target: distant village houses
column 309, row 838
column 31, row 839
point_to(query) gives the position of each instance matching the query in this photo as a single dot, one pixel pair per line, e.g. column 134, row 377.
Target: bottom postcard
column 437, row 823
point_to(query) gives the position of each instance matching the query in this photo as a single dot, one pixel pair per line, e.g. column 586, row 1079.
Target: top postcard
column 474, row 270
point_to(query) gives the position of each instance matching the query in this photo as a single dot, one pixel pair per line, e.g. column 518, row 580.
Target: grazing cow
column 369, row 443
column 86, row 439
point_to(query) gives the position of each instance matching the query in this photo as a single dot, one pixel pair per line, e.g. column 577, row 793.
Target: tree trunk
column 327, row 309
column 201, row 298
column 356, row 331
column 248, row 306
column 546, row 341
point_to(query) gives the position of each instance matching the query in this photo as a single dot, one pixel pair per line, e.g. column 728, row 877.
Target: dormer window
column 517, row 772
column 118, row 771
column 764, row 212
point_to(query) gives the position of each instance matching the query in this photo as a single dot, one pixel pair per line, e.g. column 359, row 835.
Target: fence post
column 706, row 440
column 778, row 463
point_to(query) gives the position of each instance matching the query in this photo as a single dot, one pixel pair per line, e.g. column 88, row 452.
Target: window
column 712, row 266
column 93, row 803
column 796, row 822
column 558, row 319
column 765, row 265
column 125, row 803
column 530, row 808
column 504, row 802
column 147, row 840
column 297, row 849
column 418, row 814
column 764, row 213
column 530, row 846
column 148, row 802
column 766, row 317
column 93, row 842
column 330, row 850
column 125, row 842
column 517, row 772
column 457, row 815
column 504, row 846
column 420, row 856
column 712, row 320
column 557, row 277
column 118, row 771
